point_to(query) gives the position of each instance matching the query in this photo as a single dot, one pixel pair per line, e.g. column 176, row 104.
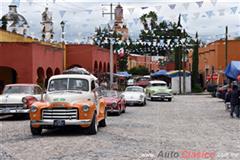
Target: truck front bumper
column 67, row 122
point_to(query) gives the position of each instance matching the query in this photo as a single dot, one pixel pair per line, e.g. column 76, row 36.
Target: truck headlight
column 141, row 96
column 33, row 109
column 85, row 108
column 114, row 104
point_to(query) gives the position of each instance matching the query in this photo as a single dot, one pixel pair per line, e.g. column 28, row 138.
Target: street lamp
column 62, row 26
column 62, row 23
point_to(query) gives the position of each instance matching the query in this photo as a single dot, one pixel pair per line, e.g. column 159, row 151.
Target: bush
column 196, row 88
column 140, row 70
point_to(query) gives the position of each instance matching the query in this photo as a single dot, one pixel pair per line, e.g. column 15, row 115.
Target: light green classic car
column 158, row 90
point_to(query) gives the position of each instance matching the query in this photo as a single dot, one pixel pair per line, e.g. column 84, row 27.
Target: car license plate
column 59, row 123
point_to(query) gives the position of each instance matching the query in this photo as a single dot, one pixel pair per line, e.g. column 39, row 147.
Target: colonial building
column 135, row 60
column 95, row 59
column 212, row 60
column 27, row 60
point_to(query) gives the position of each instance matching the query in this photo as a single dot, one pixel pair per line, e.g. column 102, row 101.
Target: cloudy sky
column 207, row 17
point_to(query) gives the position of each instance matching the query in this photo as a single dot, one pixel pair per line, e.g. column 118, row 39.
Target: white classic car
column 11, row 101
column 134, row 95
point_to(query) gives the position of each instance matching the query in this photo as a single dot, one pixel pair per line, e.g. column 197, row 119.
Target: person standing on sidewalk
column 234, row 101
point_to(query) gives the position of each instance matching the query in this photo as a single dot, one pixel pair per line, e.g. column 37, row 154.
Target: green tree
column 140, row 70
column 195, row 61
column 103, row 37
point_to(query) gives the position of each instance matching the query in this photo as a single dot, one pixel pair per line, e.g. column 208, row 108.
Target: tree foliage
column 104, row 36
column 140, row 70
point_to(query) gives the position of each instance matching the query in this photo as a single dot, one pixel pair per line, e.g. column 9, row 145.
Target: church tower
column 47, row 25
column 118, row 24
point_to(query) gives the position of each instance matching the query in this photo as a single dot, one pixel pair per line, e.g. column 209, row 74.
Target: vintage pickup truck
column 70, row 100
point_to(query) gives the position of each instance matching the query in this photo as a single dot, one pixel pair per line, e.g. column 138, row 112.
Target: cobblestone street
column 196, row 123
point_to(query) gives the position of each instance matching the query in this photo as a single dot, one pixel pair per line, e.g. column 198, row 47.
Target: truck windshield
column 18, row 90
column 75, row 84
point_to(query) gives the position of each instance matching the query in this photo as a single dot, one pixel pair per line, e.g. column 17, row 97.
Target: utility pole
column 226, row 46
column 111, row 44
column 111, row 11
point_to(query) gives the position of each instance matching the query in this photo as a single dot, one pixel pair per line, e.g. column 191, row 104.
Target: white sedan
column 11, row 101
column 134, row 95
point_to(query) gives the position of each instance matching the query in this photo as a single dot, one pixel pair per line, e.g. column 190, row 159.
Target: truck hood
column 12, row 98
column 68, row 97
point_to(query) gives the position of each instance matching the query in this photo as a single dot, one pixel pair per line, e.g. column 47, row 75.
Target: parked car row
column 75, row 100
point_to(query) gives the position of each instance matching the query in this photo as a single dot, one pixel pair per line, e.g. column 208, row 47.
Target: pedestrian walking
column 234, row 100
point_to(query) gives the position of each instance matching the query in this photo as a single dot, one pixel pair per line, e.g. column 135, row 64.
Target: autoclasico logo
column 182, row 154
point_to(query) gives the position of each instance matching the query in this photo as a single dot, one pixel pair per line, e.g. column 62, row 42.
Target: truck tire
column 103, row 123
column 36, row 131
column 93, row 128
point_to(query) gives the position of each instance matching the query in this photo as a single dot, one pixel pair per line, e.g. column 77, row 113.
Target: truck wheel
column 169, row 99
column 103, row 123
column 36, row 131
column 93, row 128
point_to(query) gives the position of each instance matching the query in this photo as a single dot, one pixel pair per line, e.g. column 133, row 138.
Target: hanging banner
column 209, row 14
column 144, row 8
column 131, row 10
column 158, row 8
column 221, row 12
column 186, row 5
column 62, row 12
column 172, row 6
column 196, row 15
column 213, row 2
column 200, row 3
column 234, row 9
column 89, row 11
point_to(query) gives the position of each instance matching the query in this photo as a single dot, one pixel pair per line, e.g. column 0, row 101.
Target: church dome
column 14, row 20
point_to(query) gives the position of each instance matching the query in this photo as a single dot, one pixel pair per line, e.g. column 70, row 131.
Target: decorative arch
column 49, row 73
column 108, row 67
column 57, row 71
column 104, row 67
column 100, row 67
column 40, row 79
column 10, row 76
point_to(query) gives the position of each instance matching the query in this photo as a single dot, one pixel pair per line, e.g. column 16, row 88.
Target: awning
column 123, row 74
column 233, row 70
column 160, row 73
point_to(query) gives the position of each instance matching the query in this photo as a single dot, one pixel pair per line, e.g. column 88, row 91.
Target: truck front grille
column 60, row 113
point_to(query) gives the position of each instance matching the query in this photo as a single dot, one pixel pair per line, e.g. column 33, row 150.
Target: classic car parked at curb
column 158, row 90
column 134, row 95
column 70, row 100
column 12, row 100
column 115, row 103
